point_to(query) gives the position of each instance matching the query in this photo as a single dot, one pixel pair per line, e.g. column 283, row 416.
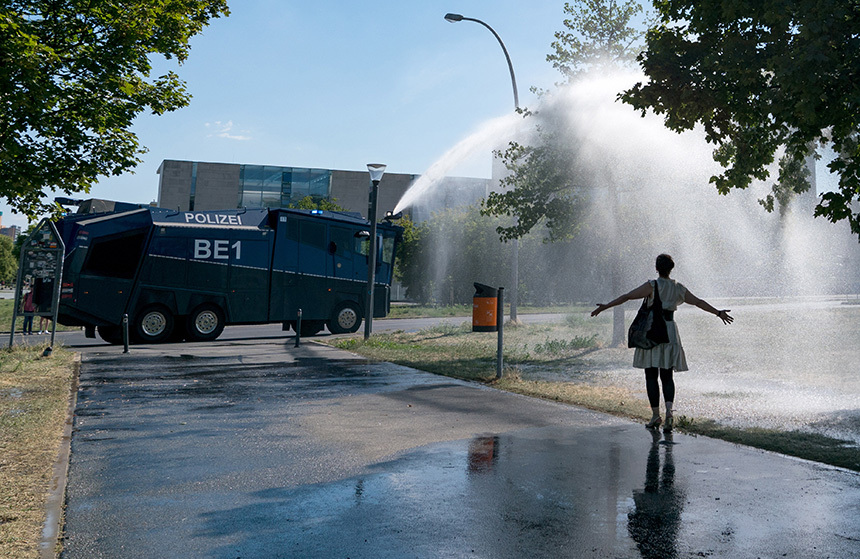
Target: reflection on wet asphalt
column 317, row 454
column 540, row 493
column 656, row 518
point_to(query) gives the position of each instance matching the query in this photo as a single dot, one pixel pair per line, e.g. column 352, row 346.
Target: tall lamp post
column 376, row 170
column 454, row 18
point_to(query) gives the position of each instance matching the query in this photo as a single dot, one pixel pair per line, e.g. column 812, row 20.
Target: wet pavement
column 256, row 449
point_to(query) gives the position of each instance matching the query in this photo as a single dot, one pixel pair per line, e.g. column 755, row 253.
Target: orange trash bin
column 484, row 308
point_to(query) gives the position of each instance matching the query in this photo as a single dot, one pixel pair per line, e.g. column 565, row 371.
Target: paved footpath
column 256, row 450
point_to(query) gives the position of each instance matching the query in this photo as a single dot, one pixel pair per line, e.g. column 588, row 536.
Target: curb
column 49, row 544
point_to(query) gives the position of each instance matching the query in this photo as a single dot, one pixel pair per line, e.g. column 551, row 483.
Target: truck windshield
column 386, row 248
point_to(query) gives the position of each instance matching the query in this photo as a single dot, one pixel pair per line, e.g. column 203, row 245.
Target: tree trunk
column 618, row 333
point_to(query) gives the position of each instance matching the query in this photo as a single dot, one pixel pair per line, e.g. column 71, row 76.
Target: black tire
column 153, row 324
column 205, row 323
column 345, row 319
column 110, row 334
column 311, row 327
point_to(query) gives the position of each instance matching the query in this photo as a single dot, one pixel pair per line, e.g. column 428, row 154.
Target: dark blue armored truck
column 188, row 274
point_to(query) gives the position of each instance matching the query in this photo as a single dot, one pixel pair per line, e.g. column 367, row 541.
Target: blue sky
column 335, row 84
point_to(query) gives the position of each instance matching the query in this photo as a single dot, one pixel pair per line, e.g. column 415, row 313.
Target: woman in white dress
column 660, row 361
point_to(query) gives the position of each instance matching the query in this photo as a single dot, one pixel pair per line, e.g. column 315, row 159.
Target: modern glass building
column 267, row 186
column 200, row 185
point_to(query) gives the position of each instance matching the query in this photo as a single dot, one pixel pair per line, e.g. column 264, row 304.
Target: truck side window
column 342, row 238
column 362, row 246
column 115, row 258
column 313, row 234
column 388, row 249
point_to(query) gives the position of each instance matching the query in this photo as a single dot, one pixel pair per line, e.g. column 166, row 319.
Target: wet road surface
column 256, row 449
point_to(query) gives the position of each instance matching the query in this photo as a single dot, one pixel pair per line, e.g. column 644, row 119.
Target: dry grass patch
column 34, row 397
column 609, row 399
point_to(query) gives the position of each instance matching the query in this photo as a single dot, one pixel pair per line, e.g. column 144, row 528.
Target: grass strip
column 449, row 351
column 34, row 397
column 443, row 311
column 810, row 446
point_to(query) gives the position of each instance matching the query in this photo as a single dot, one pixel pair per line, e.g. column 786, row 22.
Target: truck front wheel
column 346, row 318
column 205, row 323
column 153, row 324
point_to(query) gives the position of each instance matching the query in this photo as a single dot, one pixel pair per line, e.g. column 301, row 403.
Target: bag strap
column 657, row 300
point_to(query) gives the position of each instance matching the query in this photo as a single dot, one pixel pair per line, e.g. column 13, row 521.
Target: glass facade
column 266, row 186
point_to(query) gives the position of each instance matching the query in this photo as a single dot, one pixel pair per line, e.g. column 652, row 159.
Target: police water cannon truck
column 186, row 275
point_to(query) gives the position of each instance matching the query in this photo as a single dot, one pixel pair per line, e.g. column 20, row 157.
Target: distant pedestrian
column 29, row 307
column 661, row 360
column 44, row 324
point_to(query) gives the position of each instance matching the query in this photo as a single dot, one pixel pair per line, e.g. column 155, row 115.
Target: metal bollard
column 299, row 328
column 500, row 322
column 125, row 333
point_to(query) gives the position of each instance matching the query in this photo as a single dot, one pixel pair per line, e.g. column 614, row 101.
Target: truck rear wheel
column 205, row 323
column 153, row 324
column 345, row 319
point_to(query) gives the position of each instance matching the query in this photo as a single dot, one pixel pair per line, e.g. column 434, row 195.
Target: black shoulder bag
column 649, row 326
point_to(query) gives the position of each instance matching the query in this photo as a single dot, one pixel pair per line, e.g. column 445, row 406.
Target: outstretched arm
column 705, row 306
column 640, row 292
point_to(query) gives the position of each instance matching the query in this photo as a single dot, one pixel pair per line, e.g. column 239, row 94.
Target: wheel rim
column 153, row 323
column 346, row 318
column 206, row 322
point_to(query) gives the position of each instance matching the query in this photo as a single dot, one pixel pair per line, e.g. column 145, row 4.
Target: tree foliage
column 8, row 264
column 538, row 187
column 440, row 259
column 597, row 36
column 310, row 203
column 73, row 77
column 21, row 239
column 765, row 79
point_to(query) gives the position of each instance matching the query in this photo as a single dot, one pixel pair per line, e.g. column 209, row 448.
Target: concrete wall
column 351, row 190
column 217, row 186
column 174, row 184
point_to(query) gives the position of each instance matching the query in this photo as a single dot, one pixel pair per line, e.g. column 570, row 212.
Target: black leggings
column 654, row 388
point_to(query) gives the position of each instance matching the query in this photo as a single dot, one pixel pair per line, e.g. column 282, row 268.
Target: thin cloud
column 225, row 130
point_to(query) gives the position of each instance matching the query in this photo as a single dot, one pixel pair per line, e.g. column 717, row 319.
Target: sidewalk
column 262, row 450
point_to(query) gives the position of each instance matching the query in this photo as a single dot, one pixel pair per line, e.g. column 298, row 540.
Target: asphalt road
column 76, row 339
column 252, row 448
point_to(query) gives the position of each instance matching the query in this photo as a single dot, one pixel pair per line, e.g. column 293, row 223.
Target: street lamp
column 376, row 170
column 454, row 18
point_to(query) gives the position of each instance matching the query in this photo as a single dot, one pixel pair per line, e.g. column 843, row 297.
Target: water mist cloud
column 487, row 137
column 646, row 189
